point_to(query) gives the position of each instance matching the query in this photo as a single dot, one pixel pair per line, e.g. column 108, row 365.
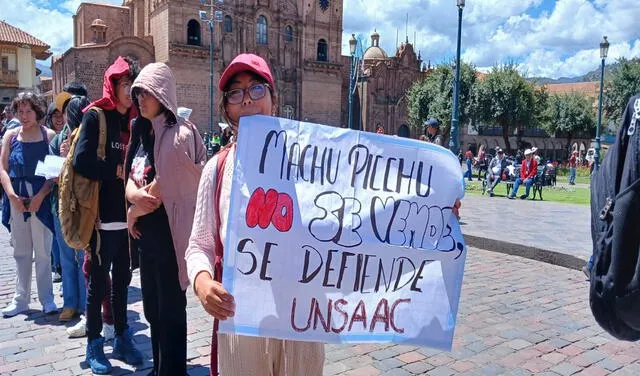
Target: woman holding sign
column 249, row 89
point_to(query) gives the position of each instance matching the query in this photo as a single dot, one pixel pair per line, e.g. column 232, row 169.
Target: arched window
column 193, row 33
column 261, row 30
column 322, row 50
column 288, row 34
column 228, row 24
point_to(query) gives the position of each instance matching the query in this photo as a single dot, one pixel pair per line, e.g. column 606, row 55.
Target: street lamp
column 213, row 16
column 453, row 140
column 353, row 43
column 604, row 49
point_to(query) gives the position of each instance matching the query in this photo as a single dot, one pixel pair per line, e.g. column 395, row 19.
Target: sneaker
column 586, row 272
column 95, row 357
column 67, row 314
column 491, row 194
column 14, row 309
column 523, row 197
column 79, row 329
column 50, row 308
column 108, row 332
column 124, row 350
column 511, row 197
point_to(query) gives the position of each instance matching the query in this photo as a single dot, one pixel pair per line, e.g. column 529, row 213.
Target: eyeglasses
column 141, row 93
column 256, row 92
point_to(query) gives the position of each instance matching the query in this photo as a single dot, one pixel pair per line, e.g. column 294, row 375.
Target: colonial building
column 18, row 54
column 301, row 40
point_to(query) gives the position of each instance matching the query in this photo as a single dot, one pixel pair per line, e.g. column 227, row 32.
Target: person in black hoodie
column 109, row 246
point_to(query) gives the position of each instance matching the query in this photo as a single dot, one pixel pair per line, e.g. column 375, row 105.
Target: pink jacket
column 180, row 156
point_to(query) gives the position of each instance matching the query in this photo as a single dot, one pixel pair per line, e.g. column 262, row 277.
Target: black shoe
column 523, row 197
column 491, row 194
column 511, row 197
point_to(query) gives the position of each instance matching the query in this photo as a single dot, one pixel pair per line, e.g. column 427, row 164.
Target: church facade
column 300, row 39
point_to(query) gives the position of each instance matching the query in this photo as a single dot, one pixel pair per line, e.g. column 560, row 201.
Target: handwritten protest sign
column 342, row 236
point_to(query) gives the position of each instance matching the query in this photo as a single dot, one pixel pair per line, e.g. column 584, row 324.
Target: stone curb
column 533, row 253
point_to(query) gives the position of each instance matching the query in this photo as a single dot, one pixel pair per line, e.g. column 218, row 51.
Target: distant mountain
column 589, row 77
column 46, row 71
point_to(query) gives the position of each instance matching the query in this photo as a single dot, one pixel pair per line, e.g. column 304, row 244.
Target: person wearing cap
column 433, row 132
column 528, row 172
column 248, row 89
column 164, row 163
column 496, row 167
column 111, row 252
column 573, row 163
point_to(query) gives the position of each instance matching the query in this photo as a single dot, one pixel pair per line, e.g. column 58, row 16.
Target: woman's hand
column 34, row 204
column 18, row 203
column 213, row 297
column 144, row 200
column 131, row 223
column 64, row 148
column 456, row 208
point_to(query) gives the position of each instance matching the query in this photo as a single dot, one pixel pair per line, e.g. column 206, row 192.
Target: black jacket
column 86, row 163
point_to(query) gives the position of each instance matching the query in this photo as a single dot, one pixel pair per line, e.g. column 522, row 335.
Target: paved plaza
column 517, row 316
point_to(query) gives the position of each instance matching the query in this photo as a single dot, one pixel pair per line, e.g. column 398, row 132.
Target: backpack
column 614, row 292
column 78, row 195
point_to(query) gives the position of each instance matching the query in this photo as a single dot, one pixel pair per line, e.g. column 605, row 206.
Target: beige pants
column 256, row 356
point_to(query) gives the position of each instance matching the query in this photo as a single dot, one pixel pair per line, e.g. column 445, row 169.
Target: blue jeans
column 572, row 175
column 55, row 254
column 74, row 290
column 527, row 182
column 469, row 173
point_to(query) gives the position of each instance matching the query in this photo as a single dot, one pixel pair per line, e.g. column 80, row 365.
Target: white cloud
column 560, row 41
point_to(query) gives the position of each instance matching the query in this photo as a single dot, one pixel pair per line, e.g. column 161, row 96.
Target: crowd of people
column 154, row 180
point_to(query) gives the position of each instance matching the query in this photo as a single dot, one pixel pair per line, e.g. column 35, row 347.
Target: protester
column 573, row 163
column 248, row 87
column 496, row 168
column 468, row 156
column 31, row 222
column 109, row 245
column 74, row 291
column 528, row 172
column 433, row 132
column 165, row 161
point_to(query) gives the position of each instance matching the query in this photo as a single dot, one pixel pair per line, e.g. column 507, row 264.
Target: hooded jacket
column 179, row 157
column 48, row 118
column 85, row 160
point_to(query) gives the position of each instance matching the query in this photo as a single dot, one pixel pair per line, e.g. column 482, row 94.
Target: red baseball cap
column 243, row 63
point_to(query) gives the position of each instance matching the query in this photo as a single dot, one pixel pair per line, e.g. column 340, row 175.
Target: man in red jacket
column 528, row 172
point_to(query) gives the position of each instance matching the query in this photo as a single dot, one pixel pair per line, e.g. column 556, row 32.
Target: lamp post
column 212, row 17
column 353, row 42
column 453, row 140
column 604, row 49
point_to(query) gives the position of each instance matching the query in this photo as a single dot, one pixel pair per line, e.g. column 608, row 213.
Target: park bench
column 543, row 179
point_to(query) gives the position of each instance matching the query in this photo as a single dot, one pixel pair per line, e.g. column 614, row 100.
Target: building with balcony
column 18, row 54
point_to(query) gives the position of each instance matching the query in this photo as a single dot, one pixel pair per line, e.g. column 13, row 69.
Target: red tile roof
column 13, row 35
column 589, row 88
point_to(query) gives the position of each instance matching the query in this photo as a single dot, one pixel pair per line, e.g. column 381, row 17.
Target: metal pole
column 362, row 94
column 212, row 93
column 596, row 157
column 351, row 78
column 453, row 140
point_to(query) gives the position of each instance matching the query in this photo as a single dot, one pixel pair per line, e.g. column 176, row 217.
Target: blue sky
column 552, row 38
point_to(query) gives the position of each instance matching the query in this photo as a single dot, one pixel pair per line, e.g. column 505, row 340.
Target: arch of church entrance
column 403, row 131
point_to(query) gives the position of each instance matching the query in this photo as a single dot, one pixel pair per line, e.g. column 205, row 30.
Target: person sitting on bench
column 528, row 172
column 496, row 167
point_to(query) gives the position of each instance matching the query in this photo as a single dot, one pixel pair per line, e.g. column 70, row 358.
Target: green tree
column 433, row 97
column 506, row 99
column 624, row 83
column 569, row 114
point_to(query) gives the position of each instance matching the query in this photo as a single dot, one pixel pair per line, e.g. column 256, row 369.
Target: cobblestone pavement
column 553, row 226
column 517, row 317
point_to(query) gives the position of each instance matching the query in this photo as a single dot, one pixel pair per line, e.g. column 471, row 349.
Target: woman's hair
column 36, row 101
column 482, row 147
column 74, row 110
column 222, row 101
column 134, row 70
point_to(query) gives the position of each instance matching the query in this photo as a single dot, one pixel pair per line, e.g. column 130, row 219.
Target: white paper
column 50, row 168
column 327, row 242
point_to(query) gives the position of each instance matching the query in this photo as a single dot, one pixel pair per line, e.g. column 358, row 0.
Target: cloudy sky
column 551, row 38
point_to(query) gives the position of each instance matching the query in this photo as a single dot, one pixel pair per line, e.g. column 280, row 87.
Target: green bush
column 581, row 171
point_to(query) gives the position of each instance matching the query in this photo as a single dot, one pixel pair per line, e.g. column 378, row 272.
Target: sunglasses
column 256, row 92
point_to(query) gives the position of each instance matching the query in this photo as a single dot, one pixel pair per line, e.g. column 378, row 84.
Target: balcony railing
column 8, row 77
